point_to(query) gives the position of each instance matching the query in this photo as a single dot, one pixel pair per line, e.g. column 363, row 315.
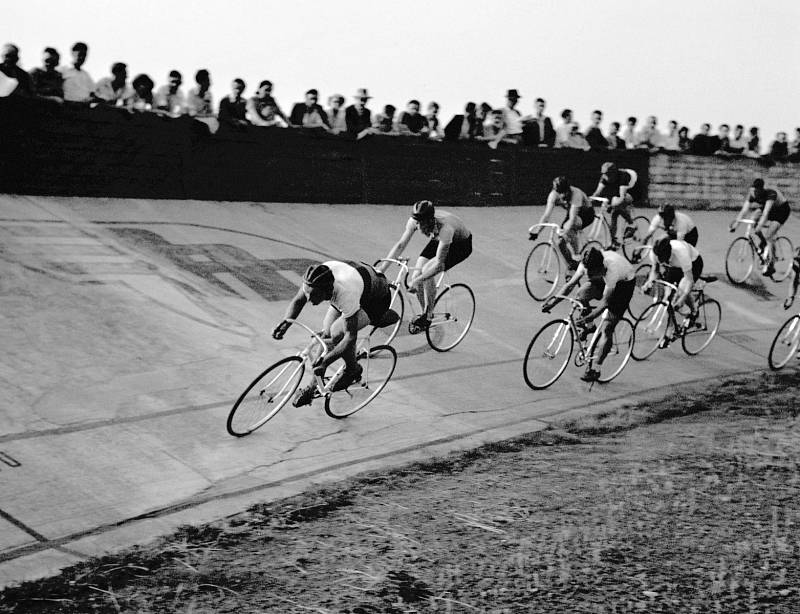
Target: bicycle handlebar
column 746, row 221
column 672, row 287
column 315, row 336
column 600, row 199
column 575, row 302
column 542, row 225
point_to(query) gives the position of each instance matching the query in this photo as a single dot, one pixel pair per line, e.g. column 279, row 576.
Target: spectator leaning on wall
column 463, row 127
column 309, row 114
column 357, row 115
column 384, row 122
column 564, row 128
column 794, row 147
column 233, row 108
column 336, row 114
column 684, row 142
column 434, row 125
column 142, row 99
column 779, row 150
column 649, row 137
column 48, row 81
column 263, row 109
column 576, row 140
column 594, row 136
column 78, row 84
column 114, row 90
column 537, row 129
column 614, row 140
column 411, row 121
column 169, row 97
column 512, row 119
column 753, row 149
column 13, row 80
column 629, row 134
column 671, row 140
column 702, row 143
column 199, row 102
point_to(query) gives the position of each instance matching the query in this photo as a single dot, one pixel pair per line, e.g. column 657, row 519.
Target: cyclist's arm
column 682, row 295
column 401, row 244
column 599, row 188
column 349, row 337
column 742, row 212
column 436, row 264
column 764, row 214
column 567, row 287
column 292, row 311
column 330, row 317
column 655, row 223
column 602, row 304
column 570, row 221
column 548, row 208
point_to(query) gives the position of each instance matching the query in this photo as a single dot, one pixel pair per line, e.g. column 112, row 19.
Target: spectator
column 576, row 140
column 629, row 134
column 47, row 81
column 309, row 114
column 169, row 97
column 671, row 140
column 434, row 126
column 594, row 136
column 714, row 143
column 483, row 116
column 357, row 115
column 114, row 90
column 384, row 122
column 753, row 149
column 411, row 121
column 684, row 142
column 723, row 149
column 738, row 143
column 493, row 130
column 199, row 102
column 142, row 99
column 649, row 136
column 233, row 108
column 336, row 114
column 537, row 130
column 78, row 85
column 702, row 143
column 463, row 127
column 614, row 140
column 564, row 129
column 794, row 147
column 263, row 109
column 512, row 119
column 779, row 150
column 14, row 81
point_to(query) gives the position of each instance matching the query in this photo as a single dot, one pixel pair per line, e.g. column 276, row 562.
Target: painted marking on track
column 291, row 276
column 517, row 351
column 749, row 314
column 241, row 288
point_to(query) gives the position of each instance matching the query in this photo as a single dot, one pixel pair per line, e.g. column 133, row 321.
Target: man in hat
column 357, row 115
column 512, row 118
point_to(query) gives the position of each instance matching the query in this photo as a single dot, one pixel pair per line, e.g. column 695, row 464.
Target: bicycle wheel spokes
column 265, row 396
column 640, row 300
column 541, row 271
column 632, row 240
column 783, row 256
column 620, row 352
column 785, row 343
column 650, row 329
column 378, row 366
column 548, row 354
column 387, row 334
column 697, row 337
column 739, row 260
column 453, row 312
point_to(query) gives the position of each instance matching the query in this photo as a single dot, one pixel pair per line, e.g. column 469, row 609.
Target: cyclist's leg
column 571, row 237
column 426, row 289
column 607, row 327
column 617, row 304
column 337, row 333
column 590, row 290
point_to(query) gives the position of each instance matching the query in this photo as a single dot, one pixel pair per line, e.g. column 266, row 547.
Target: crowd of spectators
column 479, row 122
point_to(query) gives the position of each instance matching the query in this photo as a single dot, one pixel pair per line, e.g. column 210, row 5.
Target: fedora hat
column 513, row 94
column 362, row 93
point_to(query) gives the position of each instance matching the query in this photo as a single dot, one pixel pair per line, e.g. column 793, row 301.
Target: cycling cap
column 758, row 184
column 561, row 185
column 422, row 210
column 663, row 249
column 318, row 276
column 593, row 259
column 608, row 167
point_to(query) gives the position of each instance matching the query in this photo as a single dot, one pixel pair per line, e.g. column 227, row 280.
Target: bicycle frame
column 748, row 234
column 670, row 291
column 583, row 344
column 400, row 283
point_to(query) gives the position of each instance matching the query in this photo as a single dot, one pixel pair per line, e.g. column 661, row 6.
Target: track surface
column 129, row 326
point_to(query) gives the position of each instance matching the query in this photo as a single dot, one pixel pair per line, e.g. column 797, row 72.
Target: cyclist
column 615, row 184
column 580, row 213
column 359, row 296
column 772, row 209
column 794, row 275
column 451, row 243
column 677, row 225
column 611, row 279
column 678, row 263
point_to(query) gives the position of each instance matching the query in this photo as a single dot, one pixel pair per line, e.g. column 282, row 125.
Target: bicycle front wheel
column 782, row 258
column 785, row 344
column 377, row 368
column 651, row 330
column 541, row 271
column 452, row 316
column 697, row 337
column 640, row 300
column 618, row 355
column 548, row 354
column 265, row 396
column 739, row 260
column 633, row 239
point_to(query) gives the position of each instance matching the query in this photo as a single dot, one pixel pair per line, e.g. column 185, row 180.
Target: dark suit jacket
column 355, row 122
column 452, row 131
column 531, row 136
column 596, row 139
column 299, row 110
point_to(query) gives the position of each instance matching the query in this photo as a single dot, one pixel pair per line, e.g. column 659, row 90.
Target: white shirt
column 106, row 91
column 682, row 257
column 513, row 120
column 337, row 120
column 617, row 268
column 683, row 224
column 78, row 85
column 347, row 287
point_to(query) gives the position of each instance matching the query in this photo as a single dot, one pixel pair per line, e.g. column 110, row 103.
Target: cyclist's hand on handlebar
column 788, row 302
column 732, row 227
column 548, row 305
column 532, row 236
column 280, row 330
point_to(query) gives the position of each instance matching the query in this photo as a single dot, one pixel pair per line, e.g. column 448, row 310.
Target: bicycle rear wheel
column 739, row 260
column 697, row 337
column 542, row 271
column 387, row 334
column 650, row 330
column 640, row 300
column 265, row 396
column 782, row 258
column 785, row 343
column 453, row 312
column 378, row 366
column 548, row 354
column 620, row 352
column 640, row 227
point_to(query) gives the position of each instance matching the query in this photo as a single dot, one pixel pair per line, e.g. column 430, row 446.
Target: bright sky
column 732, row 61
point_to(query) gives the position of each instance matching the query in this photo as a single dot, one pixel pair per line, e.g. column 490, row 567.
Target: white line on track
column 749, row 314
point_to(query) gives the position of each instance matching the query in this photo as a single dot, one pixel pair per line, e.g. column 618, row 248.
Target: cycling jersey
column 682, row 257
column 577, row 198
column 618, row 269
column 682, row 224
column 611, row 189
column 767, row 194
column 359, row 286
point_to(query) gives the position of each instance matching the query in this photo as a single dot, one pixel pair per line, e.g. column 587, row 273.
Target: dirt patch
column 685, row 505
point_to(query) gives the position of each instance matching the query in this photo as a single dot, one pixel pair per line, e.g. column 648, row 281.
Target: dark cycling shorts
column 376, row 297
column 691, row 237
column 586, row 214
column 675, row 274
column 459, row 251
column 779, row 213
column 621, row 297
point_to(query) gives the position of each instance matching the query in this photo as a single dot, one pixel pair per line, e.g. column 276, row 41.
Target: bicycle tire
column 709, row 316
column 542, row 367
column 621, row 350
column 788, row 335
column 542, row 269
column 641, row 225
column 453, row 312
column 639, row 301
column 782, row 258
column 385, row 335
column 590, row 244
column 248, row 409
column 650, row 330
column 739, row 260
column 378, row 367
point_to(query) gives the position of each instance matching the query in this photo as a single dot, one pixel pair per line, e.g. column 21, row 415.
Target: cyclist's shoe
column 419, row 324
column 347, row 378
column 691, row 321
column 305, row 395
column 769, row 269
column 614, row 245
column 629, row 232
column 591, row 375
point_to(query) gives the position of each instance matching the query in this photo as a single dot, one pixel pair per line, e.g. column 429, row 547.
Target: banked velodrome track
column 129, row 326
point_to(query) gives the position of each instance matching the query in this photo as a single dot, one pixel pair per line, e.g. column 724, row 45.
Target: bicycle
column 740, row 258
column 785, row 343
column 275, row 386
column 453, row 309
column 657, row 327
column 551, row 348
column 631, row 239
